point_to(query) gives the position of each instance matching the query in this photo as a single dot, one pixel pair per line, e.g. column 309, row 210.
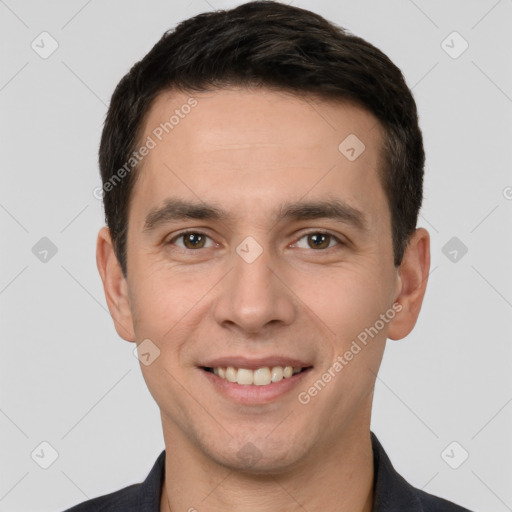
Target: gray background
column 67, row 378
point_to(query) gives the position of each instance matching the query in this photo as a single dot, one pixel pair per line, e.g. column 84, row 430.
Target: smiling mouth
column 263, row 376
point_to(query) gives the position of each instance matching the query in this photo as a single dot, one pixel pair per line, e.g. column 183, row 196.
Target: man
column 262, row 174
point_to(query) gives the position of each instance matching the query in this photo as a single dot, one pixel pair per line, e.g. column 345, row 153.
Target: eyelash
column 187, row 232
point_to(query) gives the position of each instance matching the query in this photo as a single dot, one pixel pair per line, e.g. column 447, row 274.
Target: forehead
column 254, row 147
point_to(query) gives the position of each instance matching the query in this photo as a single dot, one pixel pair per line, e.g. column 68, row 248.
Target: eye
column 319, row 240
column 191, row 240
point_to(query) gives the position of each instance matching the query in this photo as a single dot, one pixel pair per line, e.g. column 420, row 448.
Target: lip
column 251, row 394
column 254, row 363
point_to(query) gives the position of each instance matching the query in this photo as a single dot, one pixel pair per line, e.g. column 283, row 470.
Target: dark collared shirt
column 391, row 492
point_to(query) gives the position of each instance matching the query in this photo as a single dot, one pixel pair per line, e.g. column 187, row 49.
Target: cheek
column 345, row 300
column 166, row 305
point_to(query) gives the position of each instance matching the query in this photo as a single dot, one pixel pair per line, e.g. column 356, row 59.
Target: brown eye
column 193, row 240
column 190, row 240
column 319, row 240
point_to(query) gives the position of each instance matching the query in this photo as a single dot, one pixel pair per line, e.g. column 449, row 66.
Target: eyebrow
column 179, row 209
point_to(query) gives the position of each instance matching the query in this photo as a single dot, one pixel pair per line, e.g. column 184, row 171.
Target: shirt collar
column 151, row 489
column 391, row 492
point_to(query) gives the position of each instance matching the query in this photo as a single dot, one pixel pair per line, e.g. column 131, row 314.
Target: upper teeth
column 258, row 377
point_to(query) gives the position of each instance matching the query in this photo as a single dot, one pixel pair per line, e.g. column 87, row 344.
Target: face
column 257, row 242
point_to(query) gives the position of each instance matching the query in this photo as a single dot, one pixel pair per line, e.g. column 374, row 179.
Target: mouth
column 255, row 383
column 262, row 376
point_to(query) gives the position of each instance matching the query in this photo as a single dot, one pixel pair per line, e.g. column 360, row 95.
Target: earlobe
column 114, row 285
column 412, row 280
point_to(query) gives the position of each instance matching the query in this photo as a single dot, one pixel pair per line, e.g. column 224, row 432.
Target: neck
column 339, row 478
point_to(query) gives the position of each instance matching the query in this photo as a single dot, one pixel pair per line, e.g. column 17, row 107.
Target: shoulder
column 393, row 493
column 431, row 503
column 140, row 497
column 123, row 500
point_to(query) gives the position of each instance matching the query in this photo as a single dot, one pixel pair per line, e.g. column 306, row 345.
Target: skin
column 250, row 150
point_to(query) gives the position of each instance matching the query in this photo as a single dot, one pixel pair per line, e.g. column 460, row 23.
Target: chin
column 257, row 456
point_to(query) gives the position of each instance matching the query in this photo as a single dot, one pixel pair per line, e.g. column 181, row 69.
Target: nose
column 254, row 295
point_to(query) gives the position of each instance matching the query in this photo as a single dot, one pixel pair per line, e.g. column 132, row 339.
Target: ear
column 114, row 285
column 412, row 283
